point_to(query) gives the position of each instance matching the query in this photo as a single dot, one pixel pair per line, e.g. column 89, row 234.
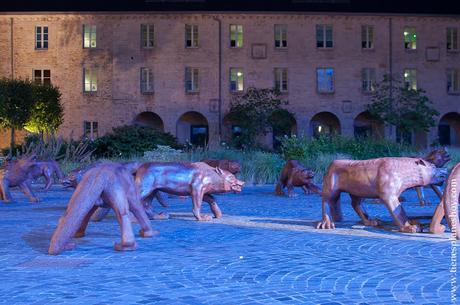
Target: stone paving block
column 263, row 251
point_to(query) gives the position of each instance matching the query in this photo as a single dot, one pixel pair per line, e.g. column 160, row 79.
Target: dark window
column 42, row 77
column 90, row 130
column 280, row 36
column 191, row 36
column 324, row 36
column 147, row 32
column 41, row 37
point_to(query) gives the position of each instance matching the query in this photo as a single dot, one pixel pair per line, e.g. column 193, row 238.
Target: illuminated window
column 410, row 38
column 191, row 36
column 90, row 80
column 42, row 77
column 146, row 80
column 192, row 80
column 41, row 37
column 368, row 78
column 324, row 36
column 281, row 79
column 89, row 36
column 147, row 35
column 236, row 80
column 325, row 80
column 410, row 79
column 280, row 36
column 367, row 37
column 452, row 81
column 236, row 36
column 452, row 39
column 90, row 131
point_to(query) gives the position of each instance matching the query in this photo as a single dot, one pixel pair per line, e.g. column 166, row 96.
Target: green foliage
column 47, row 112
column 132, row 140
column 16, row 102
column 254, row 112
column 363, row 148
column 406, row 109
column 318, row 153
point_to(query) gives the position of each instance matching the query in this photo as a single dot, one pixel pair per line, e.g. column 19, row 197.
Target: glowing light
column 239, row 74
column 406, row 33
column 241, row 257
column 320, row 128
column 406, row 74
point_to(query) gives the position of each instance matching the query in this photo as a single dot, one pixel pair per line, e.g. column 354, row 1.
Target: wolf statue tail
column 87, row 193
column 58, row 170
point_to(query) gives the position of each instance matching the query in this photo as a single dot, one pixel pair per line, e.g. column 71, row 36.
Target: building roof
column 441, row 7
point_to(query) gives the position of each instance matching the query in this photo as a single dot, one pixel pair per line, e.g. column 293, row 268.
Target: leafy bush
column 301, row 148
column 127, row 141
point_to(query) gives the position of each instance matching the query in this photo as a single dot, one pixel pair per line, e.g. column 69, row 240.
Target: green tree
column 406, row 109
column 16, row 102
column 254, row 112
column 47, row 112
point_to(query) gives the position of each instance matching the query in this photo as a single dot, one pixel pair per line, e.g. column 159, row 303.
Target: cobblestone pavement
column 263, row 251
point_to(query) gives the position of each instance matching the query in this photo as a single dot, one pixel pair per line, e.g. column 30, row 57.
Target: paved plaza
column 263, row 251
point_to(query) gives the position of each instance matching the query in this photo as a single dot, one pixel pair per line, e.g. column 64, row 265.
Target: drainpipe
column 390, row 55
column 11, row 48
column 220, row 78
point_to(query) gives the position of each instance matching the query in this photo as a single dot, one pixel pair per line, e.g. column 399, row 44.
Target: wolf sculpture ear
column 219, row 171
column 420, row 162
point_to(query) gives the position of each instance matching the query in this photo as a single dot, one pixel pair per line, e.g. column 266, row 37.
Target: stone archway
column 449, row 129
column 192, row 127
column 365, row 126
column 149, row 119
column 324, row 124
column 283, row 124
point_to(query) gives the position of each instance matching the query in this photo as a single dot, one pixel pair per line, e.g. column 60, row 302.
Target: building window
column 90, row 79
column 89, row 36
column 281, row 79
column 368, row 77
column 236, row 36
column 452, row 39
column 41, row 37
column 147, row 32
column 452, row 81
column 410, row 38
column 324, row 36
column 236, row 80
column 280, row 36
column 146, row 80
column 90, row 130
column 191, row 36
column 367, row 37
column 410, row 79
column 42, row 77
column 325, row 80
column 192, row 80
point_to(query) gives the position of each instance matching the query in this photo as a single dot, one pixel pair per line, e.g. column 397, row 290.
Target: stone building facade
column 179, row 71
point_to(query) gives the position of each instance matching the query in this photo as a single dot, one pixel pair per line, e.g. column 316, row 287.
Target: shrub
column 305, row 148
column 127, row 141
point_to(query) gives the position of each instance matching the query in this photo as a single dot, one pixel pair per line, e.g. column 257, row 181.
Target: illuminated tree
column 16, row 102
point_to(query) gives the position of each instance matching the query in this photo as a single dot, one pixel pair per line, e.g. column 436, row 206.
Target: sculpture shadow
column 39, row 240
column 308, row 223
